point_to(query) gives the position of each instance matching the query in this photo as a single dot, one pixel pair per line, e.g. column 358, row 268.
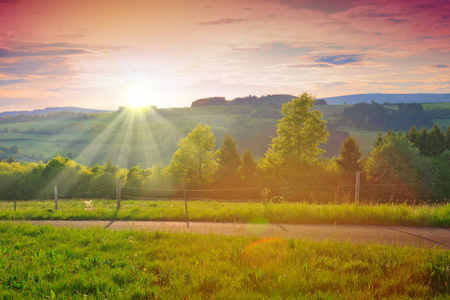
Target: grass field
column 435, row 216
column 161, row 133
column 42, row 262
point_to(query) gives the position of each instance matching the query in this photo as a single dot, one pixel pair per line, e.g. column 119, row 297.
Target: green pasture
column 161, row 134
column 43, row 262
column 174, row 210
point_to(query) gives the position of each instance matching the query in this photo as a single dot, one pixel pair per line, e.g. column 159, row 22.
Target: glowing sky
column 93, row 54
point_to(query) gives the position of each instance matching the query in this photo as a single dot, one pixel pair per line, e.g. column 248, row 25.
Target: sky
column 106, row 53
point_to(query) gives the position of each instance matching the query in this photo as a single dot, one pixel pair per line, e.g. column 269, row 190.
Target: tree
column 194, row 161
column 299, row 134
column 397, row 169
column 229, row 160
column 447, row 138
column 11, row 159
column 249, row 168
column 110, row 167
column 436, row 141
column 379, row 140
column 350, row 155
column 412, row 135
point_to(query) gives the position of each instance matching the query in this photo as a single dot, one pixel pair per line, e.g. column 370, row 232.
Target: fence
column 260, row 193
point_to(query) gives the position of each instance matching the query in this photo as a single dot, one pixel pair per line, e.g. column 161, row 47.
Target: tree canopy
column 194, row 160
column 299, row 134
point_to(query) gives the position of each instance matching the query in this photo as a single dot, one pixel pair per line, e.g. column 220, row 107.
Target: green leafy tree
column 397, row 169
column 194, row 162
column 103, row 185
column 299, row 134
column 229, row 160
column 11, row 159
column 350, row 155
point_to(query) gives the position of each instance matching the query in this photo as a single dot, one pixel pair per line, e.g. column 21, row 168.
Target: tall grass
column 385, row 214
column 60, row 263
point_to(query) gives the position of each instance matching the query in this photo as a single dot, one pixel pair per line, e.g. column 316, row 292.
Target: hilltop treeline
column 274, row 101
column 375, row 116
column 53, row 115
column 400, row 166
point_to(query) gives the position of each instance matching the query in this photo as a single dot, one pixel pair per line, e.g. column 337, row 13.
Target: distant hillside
column 389, row 98
column 274, row 101
column 51, row 110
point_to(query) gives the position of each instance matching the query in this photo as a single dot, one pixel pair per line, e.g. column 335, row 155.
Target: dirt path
column 390, row 235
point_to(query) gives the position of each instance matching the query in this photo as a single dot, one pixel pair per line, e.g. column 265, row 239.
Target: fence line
column 263, row 188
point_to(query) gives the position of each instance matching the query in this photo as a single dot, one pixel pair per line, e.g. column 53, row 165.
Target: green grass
column 43, row 262
column 425, row 215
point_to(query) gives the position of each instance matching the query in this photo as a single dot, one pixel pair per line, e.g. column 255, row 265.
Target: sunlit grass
column 424, row 215
column 61, row 263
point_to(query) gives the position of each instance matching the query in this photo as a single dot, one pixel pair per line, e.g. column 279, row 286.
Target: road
column 389, row 235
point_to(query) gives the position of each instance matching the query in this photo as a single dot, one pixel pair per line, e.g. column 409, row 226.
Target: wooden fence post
column 357, row 187
column 185, row 204
column 118, row 194
column 262, row 191
column 15, row 204
column 56, row 197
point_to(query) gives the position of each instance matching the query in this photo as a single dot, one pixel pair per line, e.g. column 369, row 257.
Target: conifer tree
column 436, row 141
column 350, row 155
column 379, row 139
column 229, row 160
column 447, row 138
column 249, row 168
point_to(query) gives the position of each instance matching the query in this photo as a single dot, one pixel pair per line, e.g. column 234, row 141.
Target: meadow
column 174, row 210
column 159, row 134
column 62, row 263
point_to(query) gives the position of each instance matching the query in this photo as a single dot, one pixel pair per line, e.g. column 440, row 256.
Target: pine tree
column 350, row 155
column 412, row 135
column 249, row 168
column 436, row 141
column 229, row 160
column 447, row 138
column 110, row 167
column 379, row 140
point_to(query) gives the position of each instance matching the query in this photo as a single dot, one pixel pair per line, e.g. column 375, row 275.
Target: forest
column 375, row 116
column 401, row 166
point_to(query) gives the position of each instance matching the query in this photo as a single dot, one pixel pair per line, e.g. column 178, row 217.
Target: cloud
column 31, row 66
column 328, row 6
column 440, row 66
column 222, row 22
column 8, row 53
column 333, row 84
column 394, row 20
column 11, row 81
column 9, row 1
column 339, row 59
column 301, row 66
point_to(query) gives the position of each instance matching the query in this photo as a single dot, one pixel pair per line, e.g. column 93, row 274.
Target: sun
column 138, row 98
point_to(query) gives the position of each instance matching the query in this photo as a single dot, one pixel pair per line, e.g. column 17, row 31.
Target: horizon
column 317, row 98
column 108, row 54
